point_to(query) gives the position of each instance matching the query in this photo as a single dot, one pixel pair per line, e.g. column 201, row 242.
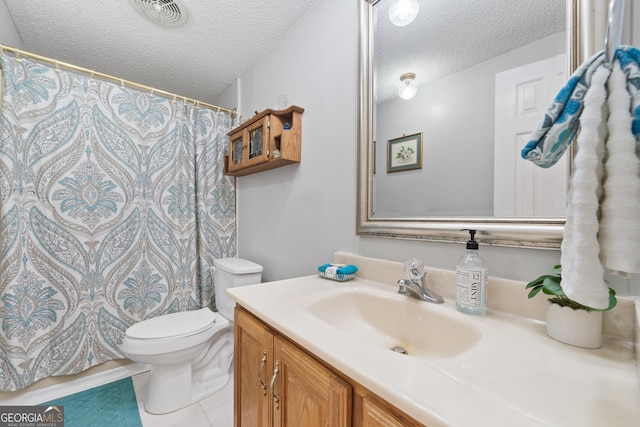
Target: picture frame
column 404, row 153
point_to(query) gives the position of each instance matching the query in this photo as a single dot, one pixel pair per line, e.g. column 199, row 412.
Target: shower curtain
column 113, row 206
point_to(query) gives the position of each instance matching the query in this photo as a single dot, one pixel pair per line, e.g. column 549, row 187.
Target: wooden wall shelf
column 270, row 139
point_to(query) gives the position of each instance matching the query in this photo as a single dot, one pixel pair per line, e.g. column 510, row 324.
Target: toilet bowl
column 190, row 353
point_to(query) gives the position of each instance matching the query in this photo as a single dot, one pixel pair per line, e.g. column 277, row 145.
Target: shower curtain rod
column 21, row 53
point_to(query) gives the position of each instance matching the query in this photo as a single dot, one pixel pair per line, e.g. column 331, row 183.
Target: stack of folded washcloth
column 337, row 271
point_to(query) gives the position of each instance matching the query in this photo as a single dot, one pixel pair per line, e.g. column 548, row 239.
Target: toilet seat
column 172, row 333
column 173, row 325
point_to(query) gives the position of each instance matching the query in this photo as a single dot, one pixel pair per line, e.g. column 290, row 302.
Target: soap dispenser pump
column 471, row 280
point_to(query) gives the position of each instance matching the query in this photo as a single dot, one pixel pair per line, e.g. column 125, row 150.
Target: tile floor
column 213, row 411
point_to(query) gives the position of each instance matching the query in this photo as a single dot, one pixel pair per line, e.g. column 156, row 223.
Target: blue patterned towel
column 561, row 122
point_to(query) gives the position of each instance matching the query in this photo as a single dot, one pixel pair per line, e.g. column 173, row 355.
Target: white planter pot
column 576, row 327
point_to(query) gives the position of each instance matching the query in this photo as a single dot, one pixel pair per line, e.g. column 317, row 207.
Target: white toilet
column 190, row 353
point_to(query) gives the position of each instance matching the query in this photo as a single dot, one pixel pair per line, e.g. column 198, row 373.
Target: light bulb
column 407, row 88
column 402, row 12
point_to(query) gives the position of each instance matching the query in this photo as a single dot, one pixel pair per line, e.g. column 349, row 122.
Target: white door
column 522, row 189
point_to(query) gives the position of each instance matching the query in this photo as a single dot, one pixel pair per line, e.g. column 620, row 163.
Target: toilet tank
column 232, row 273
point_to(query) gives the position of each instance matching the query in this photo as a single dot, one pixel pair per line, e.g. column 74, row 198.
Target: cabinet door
column 306, row 393
column 236, row 151
column 253, row 367
column 369, row 411
column 257, row 143
column 251, row 146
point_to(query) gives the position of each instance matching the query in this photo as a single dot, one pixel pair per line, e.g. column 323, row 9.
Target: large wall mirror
column 448, row 158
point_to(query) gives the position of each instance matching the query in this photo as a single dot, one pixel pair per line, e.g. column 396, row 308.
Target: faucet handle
column 414, row 269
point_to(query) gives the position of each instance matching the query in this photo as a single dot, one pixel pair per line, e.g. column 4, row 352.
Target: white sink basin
column 388, row 320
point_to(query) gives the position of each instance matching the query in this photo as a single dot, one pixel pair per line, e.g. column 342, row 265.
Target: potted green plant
column 567, row 320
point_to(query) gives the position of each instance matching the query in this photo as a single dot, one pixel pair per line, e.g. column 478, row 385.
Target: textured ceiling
column 224, row 38
column 449, row 36
column 219, row 42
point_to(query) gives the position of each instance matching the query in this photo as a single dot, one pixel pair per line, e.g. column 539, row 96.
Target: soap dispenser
column 471, row 280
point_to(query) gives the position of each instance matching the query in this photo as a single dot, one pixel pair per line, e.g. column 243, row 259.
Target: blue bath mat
column 112, row 404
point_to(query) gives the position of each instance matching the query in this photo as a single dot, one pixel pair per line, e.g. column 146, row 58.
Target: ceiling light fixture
column 402, row 12
column 407, row 88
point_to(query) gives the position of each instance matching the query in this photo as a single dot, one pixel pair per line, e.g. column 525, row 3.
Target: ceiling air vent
column 164, row 12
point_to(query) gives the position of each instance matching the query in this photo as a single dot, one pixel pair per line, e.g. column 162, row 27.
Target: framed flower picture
column 405, row 153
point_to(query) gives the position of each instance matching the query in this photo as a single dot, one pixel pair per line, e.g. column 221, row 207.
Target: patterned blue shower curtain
column 113, row 206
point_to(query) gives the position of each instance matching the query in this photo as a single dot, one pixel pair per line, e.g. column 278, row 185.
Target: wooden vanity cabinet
column 279, row 384
column 253, row 365
column 268, row 140
column 371, row 411
column 305, row 393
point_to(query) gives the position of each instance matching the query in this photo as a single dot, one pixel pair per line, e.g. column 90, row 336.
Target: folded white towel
column 582, row 272
column 619, row 233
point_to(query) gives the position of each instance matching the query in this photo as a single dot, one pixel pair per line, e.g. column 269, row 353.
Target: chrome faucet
column 416, row 285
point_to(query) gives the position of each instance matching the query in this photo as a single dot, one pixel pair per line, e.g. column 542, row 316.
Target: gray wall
column 292, row 219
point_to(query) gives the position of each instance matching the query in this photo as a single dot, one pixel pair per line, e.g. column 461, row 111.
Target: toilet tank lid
column 238, row 265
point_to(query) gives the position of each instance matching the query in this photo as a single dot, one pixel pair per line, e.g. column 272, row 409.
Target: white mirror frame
column 520, row 232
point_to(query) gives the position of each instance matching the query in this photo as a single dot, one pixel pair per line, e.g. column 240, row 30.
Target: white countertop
column 514, row 376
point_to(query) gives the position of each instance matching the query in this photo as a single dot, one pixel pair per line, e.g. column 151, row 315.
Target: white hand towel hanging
column 603, row 225
column 582, row 272
column 619, row 232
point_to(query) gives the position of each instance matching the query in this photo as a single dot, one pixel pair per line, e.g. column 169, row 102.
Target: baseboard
column 72, row 385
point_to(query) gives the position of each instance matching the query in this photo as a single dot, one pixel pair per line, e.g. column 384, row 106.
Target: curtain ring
column 18, row 58
column 57, row 66
column 92, row 74
column 122, row 84
column 174, row 98
column 151, row 92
